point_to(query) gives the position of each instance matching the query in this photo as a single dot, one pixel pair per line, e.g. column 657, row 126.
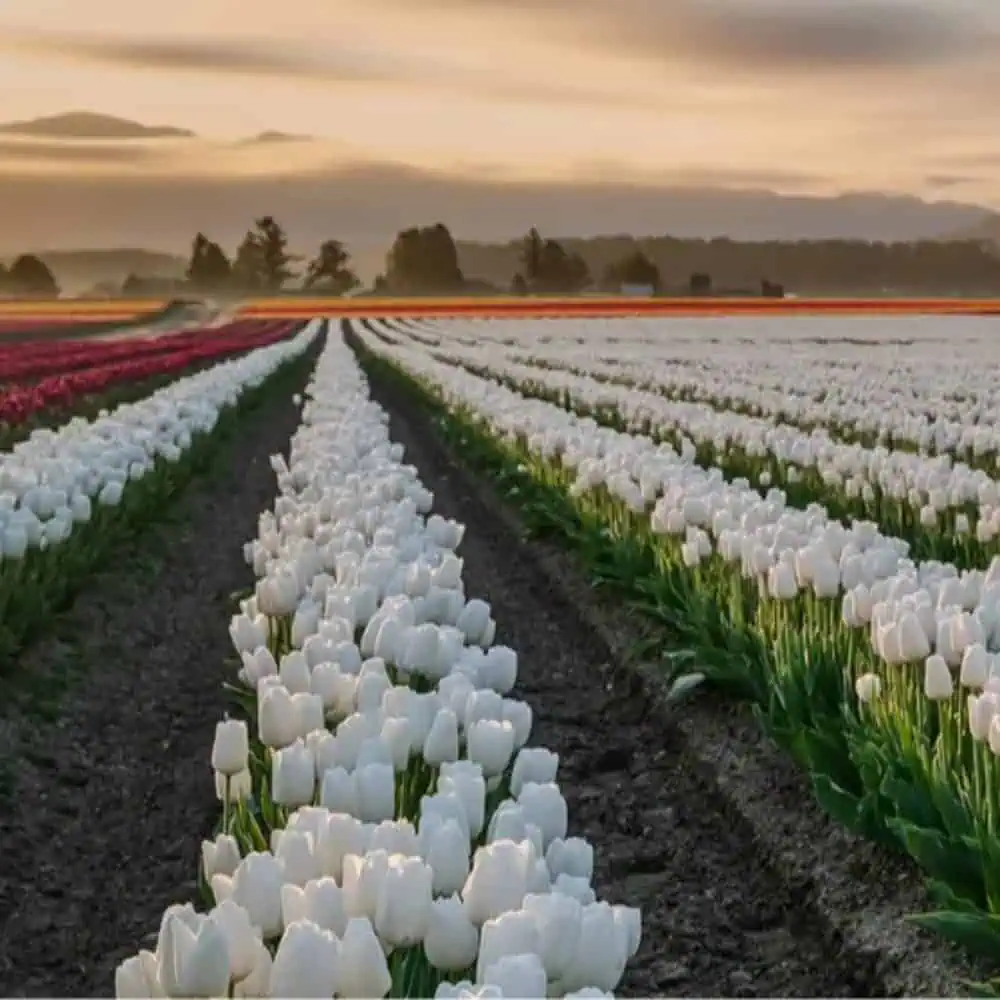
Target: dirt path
column 716, row 921
column 103, row 828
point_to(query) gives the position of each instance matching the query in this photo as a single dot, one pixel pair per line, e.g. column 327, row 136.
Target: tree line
column 427, row 261
column 957, row 267
column 28, row 275
column 421, row 261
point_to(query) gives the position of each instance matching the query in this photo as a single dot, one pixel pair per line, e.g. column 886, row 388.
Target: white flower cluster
column 924, row 381
column 50, row 481
column 930, row 485
column 930, row 613
column 424, row 847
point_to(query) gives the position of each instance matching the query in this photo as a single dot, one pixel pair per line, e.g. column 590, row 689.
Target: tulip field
column 384, row 828
column 66, row 476
column 55, row 377
column 811, row 508
column 342, row 740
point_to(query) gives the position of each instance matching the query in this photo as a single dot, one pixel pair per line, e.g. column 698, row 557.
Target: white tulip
column 246, row 633
column 544, row 805
column 363, row 968
column 137, row 978
column 452, row 941
column 320, row 900
column 533, row 764
column 404, row 902
column 278, row 720
column 220, row 856
column 231, row 749
column 938, row 683
column 520, row 975
column 193, row 962
column 306, row 964
column 512, row 933
column 241, row 937
column 490, row 744
column 868, row 687
column 256, row 887
column 293, row 775
column 498, row 881
column 235, row 788
column 465, row 779
column 444, row 845
column 573, row 856
column 294, row 672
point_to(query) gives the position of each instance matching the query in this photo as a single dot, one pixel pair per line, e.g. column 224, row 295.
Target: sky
column 812, row 94
column 796, row 96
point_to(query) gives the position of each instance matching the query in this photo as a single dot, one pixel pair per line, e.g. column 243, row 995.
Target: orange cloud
column 328, row 65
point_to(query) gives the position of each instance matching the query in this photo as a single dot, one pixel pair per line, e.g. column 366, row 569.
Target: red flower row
column 19, row 362
column 19, row 404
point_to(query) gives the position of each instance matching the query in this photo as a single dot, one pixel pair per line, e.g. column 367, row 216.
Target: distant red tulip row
column 19, row 404
column 19, row 362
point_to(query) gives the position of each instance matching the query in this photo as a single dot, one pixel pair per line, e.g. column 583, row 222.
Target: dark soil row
column 717, row 921
column 102, row 828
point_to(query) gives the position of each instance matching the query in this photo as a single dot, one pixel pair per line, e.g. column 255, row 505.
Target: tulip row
column 385, row 830
column 19, row 404
column 68, row 496
column 919, row 405
column 942, row 512
column 33, row 360
column 86, row 404
column 881, row 676
column 848, row 376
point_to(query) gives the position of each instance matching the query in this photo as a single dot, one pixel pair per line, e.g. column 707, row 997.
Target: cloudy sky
column 800, row 96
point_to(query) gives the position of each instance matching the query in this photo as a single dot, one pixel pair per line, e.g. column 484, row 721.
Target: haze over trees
column 546, row 268
column 428, row 260
column 823, row 267
column 633, row 269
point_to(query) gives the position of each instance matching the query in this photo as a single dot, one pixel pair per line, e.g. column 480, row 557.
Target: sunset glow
column 887, row 94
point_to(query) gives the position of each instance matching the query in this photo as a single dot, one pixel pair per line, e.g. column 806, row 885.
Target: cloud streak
column 77, row 153
column 944, row 181
column 768, row 37
column 281, row 61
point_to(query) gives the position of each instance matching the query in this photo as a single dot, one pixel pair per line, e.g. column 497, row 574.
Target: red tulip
column 73, row 369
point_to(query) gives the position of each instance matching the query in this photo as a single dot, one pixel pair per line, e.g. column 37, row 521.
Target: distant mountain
column 90, row 125
column 988, row 230
column 80, row 270
column 368, row 203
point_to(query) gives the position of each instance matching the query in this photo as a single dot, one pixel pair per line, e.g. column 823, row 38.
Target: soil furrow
column 716, row 920
column 111, row 798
